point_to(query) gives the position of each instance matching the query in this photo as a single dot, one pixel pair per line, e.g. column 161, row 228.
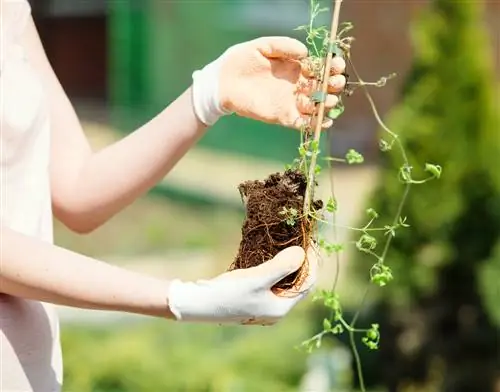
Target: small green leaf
column 372, row 213
column 303, row 27
column 390, row 230
column 327, row 325
column 381, row 275
column 405, row 173
column 318, row 343
column 435, row 170
column 353, row 157
column 384, row 146
column 338, row 329
column 331, row 205
column 402, row 222
column 366, row 243
column 371, row 334
column 335, row 112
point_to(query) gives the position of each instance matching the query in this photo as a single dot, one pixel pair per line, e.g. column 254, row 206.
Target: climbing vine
column 325, row 44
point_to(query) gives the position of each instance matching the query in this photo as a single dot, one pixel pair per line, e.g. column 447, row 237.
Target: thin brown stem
column 321, row 107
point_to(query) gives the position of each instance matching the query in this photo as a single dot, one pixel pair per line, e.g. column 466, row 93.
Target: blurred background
column 123, row 61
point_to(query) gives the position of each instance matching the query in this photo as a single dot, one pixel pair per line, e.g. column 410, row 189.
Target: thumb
column 283, row 264
column 281, row 47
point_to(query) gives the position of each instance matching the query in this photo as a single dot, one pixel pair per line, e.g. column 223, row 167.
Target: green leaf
column 402, row 222
column 331, row 205
column 384, row 146
column 301, row 28
column 435, row 170
column 338, row 329
column 315, row 145
column 372, row 213
column 335, row 112
column 354, row 157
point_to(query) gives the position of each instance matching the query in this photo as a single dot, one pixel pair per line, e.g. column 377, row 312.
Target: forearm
column 40, row 271
column 114, row 177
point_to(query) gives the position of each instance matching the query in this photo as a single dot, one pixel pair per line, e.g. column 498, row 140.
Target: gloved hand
column 265, row 79
column 243, row 296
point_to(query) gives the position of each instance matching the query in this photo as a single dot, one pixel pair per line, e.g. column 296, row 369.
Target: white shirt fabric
column 30, row 352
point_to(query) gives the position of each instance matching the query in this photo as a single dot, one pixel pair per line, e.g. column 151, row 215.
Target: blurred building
column 75, row 37
column 136, row 56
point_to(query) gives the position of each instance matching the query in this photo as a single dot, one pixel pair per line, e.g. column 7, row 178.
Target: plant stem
column 321, row 108
column 357, row 359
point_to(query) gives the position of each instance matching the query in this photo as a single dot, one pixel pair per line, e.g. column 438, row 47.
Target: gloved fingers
column 336, row 84
column 337, row 66
column 281, row 47
column 311, row 67
column 313, row 267
column 280, row 266
column 305, row 120
column 312, row 276
column 306, row 105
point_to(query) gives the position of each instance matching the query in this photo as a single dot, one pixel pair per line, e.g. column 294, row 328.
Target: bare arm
column 37, row 270
column 90, row 187
column 263, row 79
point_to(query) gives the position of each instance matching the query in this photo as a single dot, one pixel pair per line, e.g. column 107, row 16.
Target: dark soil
column 265, row 231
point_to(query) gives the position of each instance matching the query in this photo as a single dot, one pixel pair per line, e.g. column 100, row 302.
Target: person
column 48, row 169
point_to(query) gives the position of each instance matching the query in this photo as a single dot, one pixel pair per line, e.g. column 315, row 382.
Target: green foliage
column 165, row 356
column 335, row 43
column 447, row 115
column 448, row 262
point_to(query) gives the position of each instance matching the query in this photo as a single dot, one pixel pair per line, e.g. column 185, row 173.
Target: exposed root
column 274, row 221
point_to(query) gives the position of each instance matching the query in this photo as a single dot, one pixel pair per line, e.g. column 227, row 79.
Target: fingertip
column 336, row 83
column 337, row 65
column 299, row 122
column 331, row 101
column 282, row 47
column 305, row 104
column 292, row 252
column 298, row 50
column 327, row 124
column 292, row 256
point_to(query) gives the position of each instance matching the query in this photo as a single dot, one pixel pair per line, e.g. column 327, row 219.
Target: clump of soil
column 275, row 221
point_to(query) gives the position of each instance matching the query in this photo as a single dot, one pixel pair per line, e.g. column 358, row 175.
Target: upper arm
column 70, row 148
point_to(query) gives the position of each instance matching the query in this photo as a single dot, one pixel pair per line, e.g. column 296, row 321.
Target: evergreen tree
column 441, row 309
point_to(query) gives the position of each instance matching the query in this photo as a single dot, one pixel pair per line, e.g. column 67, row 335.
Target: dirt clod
column 275, row 221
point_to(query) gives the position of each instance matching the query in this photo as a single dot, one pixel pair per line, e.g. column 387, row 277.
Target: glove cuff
column 190, row 301
column 206, row 95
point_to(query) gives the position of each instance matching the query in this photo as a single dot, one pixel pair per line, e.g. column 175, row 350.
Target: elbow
column 76, row 211
column 79, row 227
column 78, row 221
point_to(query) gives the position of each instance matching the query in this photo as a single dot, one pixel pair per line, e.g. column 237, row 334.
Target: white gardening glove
column 265, row 79
column 244, row 296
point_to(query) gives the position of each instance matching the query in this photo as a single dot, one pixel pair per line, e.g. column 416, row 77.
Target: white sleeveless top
column 30, row 353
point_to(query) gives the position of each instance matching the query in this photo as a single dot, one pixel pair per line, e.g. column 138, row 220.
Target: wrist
column 190, row 301
column 206, row 96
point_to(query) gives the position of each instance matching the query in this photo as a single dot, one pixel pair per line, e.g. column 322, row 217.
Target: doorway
column 75, row 38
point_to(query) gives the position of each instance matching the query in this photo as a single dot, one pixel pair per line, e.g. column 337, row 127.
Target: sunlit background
column 123, row 61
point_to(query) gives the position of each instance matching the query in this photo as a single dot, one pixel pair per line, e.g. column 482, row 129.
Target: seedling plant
column 282, row 211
